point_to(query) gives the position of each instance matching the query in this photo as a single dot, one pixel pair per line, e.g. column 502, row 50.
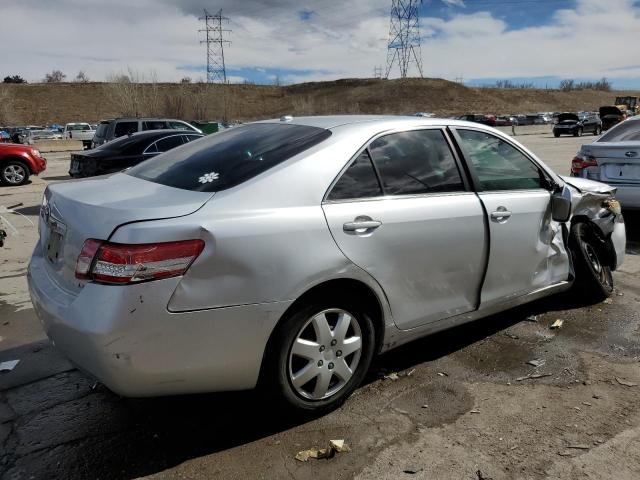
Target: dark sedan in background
column 610, row 115
column 576, row 125
column 128, row 151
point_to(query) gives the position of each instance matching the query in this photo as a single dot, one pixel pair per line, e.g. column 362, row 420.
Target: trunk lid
column 93, row 208
column 618, row 162
column 610, row 110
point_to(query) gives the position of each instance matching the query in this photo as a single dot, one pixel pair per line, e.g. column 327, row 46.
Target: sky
column 293, row 41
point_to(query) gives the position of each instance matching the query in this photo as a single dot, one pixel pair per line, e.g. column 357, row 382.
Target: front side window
column 358, row 181
column 155, row 125
column 415, row 162
column 498, row 164
column 180, row 126
column 226, row 159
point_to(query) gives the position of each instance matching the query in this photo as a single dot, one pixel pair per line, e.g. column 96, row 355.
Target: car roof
column 162, row 132
column 384, row 121
column 133, row 119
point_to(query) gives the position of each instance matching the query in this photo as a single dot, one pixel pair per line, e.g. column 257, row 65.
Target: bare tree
column 199, row 106
column 134, row 94
column 56, row 76
column 276, row 80
column 567, row 85
column 185, row 80
column 81, row 77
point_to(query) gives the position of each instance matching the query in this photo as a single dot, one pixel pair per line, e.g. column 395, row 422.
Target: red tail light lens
column 122, row 263
column 581, row 162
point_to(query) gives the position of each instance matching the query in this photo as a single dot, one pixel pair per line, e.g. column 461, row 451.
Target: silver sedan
column 288, row 253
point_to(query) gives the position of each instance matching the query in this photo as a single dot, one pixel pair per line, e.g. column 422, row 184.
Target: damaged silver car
column 288, row 253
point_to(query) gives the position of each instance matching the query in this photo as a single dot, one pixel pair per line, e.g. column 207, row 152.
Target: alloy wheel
column 14, row 174
column 325, row 354
column 601, row 272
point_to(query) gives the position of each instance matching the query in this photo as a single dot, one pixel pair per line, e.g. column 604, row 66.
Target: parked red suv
column 18, row 162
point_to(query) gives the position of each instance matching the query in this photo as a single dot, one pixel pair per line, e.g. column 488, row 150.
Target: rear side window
column 168, row 143
column 226, row 159
column 628, row 131
column 191, row 138
column 358, row 181
column 415, row 162
column 101, row 131
column 499, row 165
column 125, row 128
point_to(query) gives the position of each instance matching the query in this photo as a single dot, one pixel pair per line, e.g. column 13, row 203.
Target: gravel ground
column 458, row 408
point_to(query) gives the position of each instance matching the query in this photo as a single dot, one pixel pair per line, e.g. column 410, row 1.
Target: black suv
column 576, row 125
column 117, row 127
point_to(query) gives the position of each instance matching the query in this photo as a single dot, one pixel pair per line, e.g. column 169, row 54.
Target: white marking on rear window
column 209, row 177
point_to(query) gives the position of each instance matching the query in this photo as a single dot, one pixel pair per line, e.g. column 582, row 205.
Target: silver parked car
column 614, row 158
column 292, row 251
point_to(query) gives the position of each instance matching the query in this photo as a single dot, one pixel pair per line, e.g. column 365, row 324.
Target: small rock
column 412, row 470
column 557, row 324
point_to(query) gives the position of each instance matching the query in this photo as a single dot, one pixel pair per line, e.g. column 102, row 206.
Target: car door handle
column 501, row 215
column 361, row 225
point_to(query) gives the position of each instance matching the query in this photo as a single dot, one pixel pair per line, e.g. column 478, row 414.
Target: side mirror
column 561, row 204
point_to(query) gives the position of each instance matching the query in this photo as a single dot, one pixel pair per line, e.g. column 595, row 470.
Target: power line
column 403, row 48
column 216, row 68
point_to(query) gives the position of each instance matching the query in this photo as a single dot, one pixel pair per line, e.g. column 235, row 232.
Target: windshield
column 101, row 131
column 226, row 159
column 623, row 132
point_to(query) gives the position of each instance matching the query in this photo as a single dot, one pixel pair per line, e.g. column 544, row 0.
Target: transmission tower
column 216, row 70
column 403, row 48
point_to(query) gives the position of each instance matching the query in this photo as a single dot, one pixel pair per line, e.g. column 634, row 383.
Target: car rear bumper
column 628, row 195
column 126, row 338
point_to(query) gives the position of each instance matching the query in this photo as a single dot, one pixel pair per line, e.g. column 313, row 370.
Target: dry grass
column 67, row 102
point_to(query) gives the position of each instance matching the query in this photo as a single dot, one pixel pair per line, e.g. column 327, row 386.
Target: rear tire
column 598, row 130
column 14, row 173
column 315, row 369
column 578, row 132
column 593, row 275
column 556, row 134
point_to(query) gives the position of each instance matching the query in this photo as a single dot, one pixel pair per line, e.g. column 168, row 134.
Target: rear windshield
column 226, row 159
column 623, row 132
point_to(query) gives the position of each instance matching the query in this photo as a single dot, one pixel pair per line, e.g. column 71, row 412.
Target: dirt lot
column 465, row 403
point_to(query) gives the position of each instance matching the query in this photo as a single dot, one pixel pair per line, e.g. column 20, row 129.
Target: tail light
column 581, row 161
column 123, row 263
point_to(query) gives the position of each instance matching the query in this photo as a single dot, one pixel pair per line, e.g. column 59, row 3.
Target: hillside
column 65, row 102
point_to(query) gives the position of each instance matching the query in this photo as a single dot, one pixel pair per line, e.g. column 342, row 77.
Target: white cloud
column 593, row 39
column 454, row 3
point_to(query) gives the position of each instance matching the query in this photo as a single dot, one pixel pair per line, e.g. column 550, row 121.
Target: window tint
column 153, row 148
column 499, row 165
column 226, row 159
column 154, row 125
column 191, row 138
column 168, row 143
column 125, row 128
column 415, row 162
column 358, row 181
column 623, row 132
column 101, row 131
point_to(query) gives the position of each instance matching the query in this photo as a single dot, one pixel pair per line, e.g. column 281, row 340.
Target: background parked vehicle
column 628, row 105
column 18, row 162
column 79, row 131
column 29, row 137
column 127, row 151
column 489, row 120
column 506, row 120
column 610, row 116
column 576, row 125
column 109, row 129
column 614, row 159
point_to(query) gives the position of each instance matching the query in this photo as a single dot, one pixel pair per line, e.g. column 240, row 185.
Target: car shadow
column 128, row 438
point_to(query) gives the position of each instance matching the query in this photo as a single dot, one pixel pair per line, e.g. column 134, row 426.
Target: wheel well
column 366, row 297
column 606, row 246
column 19, row 159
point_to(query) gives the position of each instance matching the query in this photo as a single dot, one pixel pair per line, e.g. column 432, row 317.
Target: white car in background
column 79, row 131
column 614, row 158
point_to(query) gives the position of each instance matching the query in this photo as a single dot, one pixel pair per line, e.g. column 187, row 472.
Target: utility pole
column 377, row 72
column 216, row 69
column 403, row 48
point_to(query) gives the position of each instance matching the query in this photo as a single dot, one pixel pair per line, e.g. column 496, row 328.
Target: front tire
column 597, row 131
column 556, row 134
column 578, row 132
column 593, row 275
column 14, row 173
column 321, row 353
